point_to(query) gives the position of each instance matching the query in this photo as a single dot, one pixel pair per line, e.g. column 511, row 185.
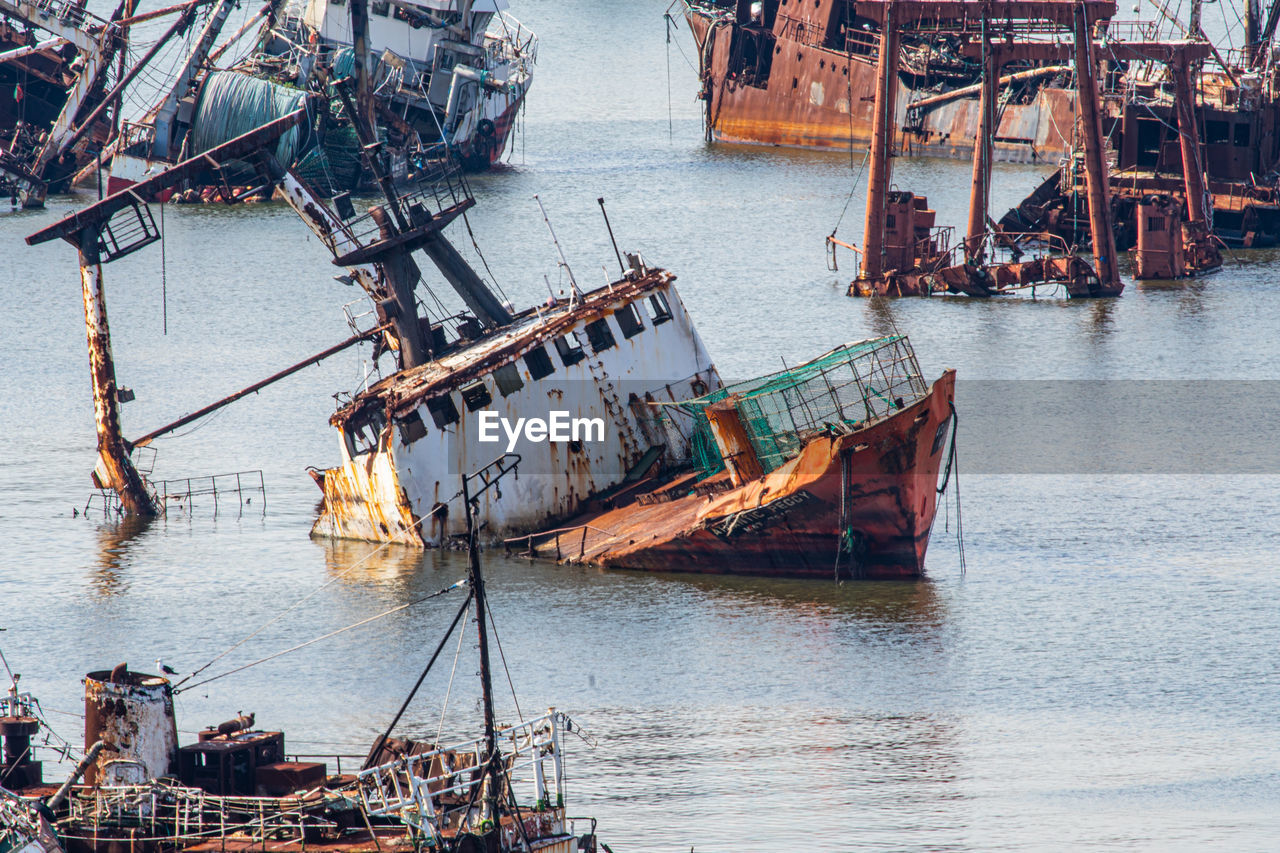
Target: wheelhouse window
column 476, row 395
column 443, row 411
column 539, row 363
column 570, row 350
column 659, row 310
column 362, row 435
column 629, row 320
column 381, row 8
column 412, row 428
column 508, row 380
column 600, row 335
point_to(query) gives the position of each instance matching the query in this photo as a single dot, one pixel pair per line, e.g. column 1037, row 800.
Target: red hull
column 788, row 523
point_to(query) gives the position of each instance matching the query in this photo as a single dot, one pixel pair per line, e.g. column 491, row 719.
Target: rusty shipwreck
column 237, row 788
column 787, row 72
column 826, row 469
column 427, row 76
column 56, row 60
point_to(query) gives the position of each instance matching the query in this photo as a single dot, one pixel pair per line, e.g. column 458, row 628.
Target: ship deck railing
column 182, row 493
column 421, row 789
column 554, row 536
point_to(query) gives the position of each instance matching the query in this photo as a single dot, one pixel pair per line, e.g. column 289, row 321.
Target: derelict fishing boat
column 452, row 71
column 607, row 399
column 829, row 468
column 236, row 788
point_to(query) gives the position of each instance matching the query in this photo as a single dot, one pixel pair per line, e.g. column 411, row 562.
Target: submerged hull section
column 795, row 522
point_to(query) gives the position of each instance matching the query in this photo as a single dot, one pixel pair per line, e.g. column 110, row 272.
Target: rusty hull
column 787, row 523
column 819, row 97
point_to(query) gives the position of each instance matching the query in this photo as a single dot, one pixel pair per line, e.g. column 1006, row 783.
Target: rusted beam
column 881, row 139
column 1095, row 163
column 258, row 386
column 965, row 91
column 1124, row 51
column 160, row 13
column 909, row 13
column 235, row 37
column 1189, row 141
column 71, row 227
column 20, row 52
column 114, row 469
column 360, row 47
column 980, row 189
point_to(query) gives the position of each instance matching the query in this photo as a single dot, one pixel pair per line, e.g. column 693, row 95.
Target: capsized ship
column 826, row 469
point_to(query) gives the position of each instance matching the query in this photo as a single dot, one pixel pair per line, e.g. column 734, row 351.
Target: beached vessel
column 826, row 469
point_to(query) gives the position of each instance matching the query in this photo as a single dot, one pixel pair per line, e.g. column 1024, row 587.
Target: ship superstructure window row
column 600, row 335
column 445, row 410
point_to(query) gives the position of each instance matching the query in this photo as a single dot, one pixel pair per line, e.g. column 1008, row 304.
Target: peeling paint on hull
column 787, row 523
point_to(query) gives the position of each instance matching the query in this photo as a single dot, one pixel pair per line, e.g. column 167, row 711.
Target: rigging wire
column 670, row 125
column 381, row 741
column 300, row 601
column 457, row 653
column 503, row 658
column 366, row 621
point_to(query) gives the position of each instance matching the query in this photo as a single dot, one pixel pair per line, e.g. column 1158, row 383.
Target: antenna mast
column 563, row 263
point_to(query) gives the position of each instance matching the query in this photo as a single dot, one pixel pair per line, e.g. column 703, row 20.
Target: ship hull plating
column 818, row 97
column 817, row 516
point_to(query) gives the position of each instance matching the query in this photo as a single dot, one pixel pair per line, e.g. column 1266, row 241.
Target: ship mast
column 489, row 475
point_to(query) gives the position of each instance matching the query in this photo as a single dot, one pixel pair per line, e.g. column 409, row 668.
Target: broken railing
column 181, row 493
column 421, row 790
column 847, row 388
column 553, row 536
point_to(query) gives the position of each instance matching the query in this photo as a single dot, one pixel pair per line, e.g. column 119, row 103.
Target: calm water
column 1104, row 675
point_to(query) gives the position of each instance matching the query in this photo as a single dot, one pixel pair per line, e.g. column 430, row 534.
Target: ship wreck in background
column 56, row 60
column 432, row 76
column 787, row 72
column 784, row 72
column 905, row 253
